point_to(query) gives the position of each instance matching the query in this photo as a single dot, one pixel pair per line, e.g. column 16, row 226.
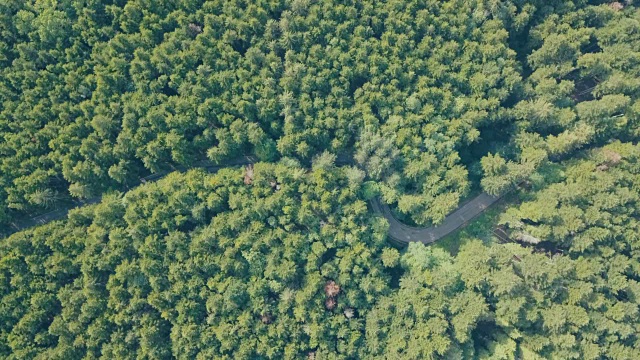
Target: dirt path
column 62, row 212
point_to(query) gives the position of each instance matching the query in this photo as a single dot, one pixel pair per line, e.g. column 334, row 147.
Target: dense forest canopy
column 199, row 265
column 96, row 94
column 419, row 103
column 572, row 292
column 283, row 262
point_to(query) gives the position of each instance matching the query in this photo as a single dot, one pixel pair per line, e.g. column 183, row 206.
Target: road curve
column 397, row 231
column 406, row 234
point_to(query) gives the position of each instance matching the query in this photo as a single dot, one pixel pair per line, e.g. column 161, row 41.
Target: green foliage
column 390, row 257
column 573, row 296
column 200, row 266
column 582, row 88
column 288, row 262
column 592, row 207
column 504, row 302
column 430, row 316
column 590, row 213
column 95, row 95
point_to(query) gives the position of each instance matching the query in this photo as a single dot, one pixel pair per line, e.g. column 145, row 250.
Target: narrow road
column 459, row 218
column 397, row 230
column 62, row 212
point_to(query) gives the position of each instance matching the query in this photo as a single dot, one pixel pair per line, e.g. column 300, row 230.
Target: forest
column 420, row 104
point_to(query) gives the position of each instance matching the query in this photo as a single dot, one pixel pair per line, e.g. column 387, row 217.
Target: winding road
column 457, row 219
column 397, row 230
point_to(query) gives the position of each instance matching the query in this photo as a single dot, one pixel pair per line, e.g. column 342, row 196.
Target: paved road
column 455, row 220
column 397, row 230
